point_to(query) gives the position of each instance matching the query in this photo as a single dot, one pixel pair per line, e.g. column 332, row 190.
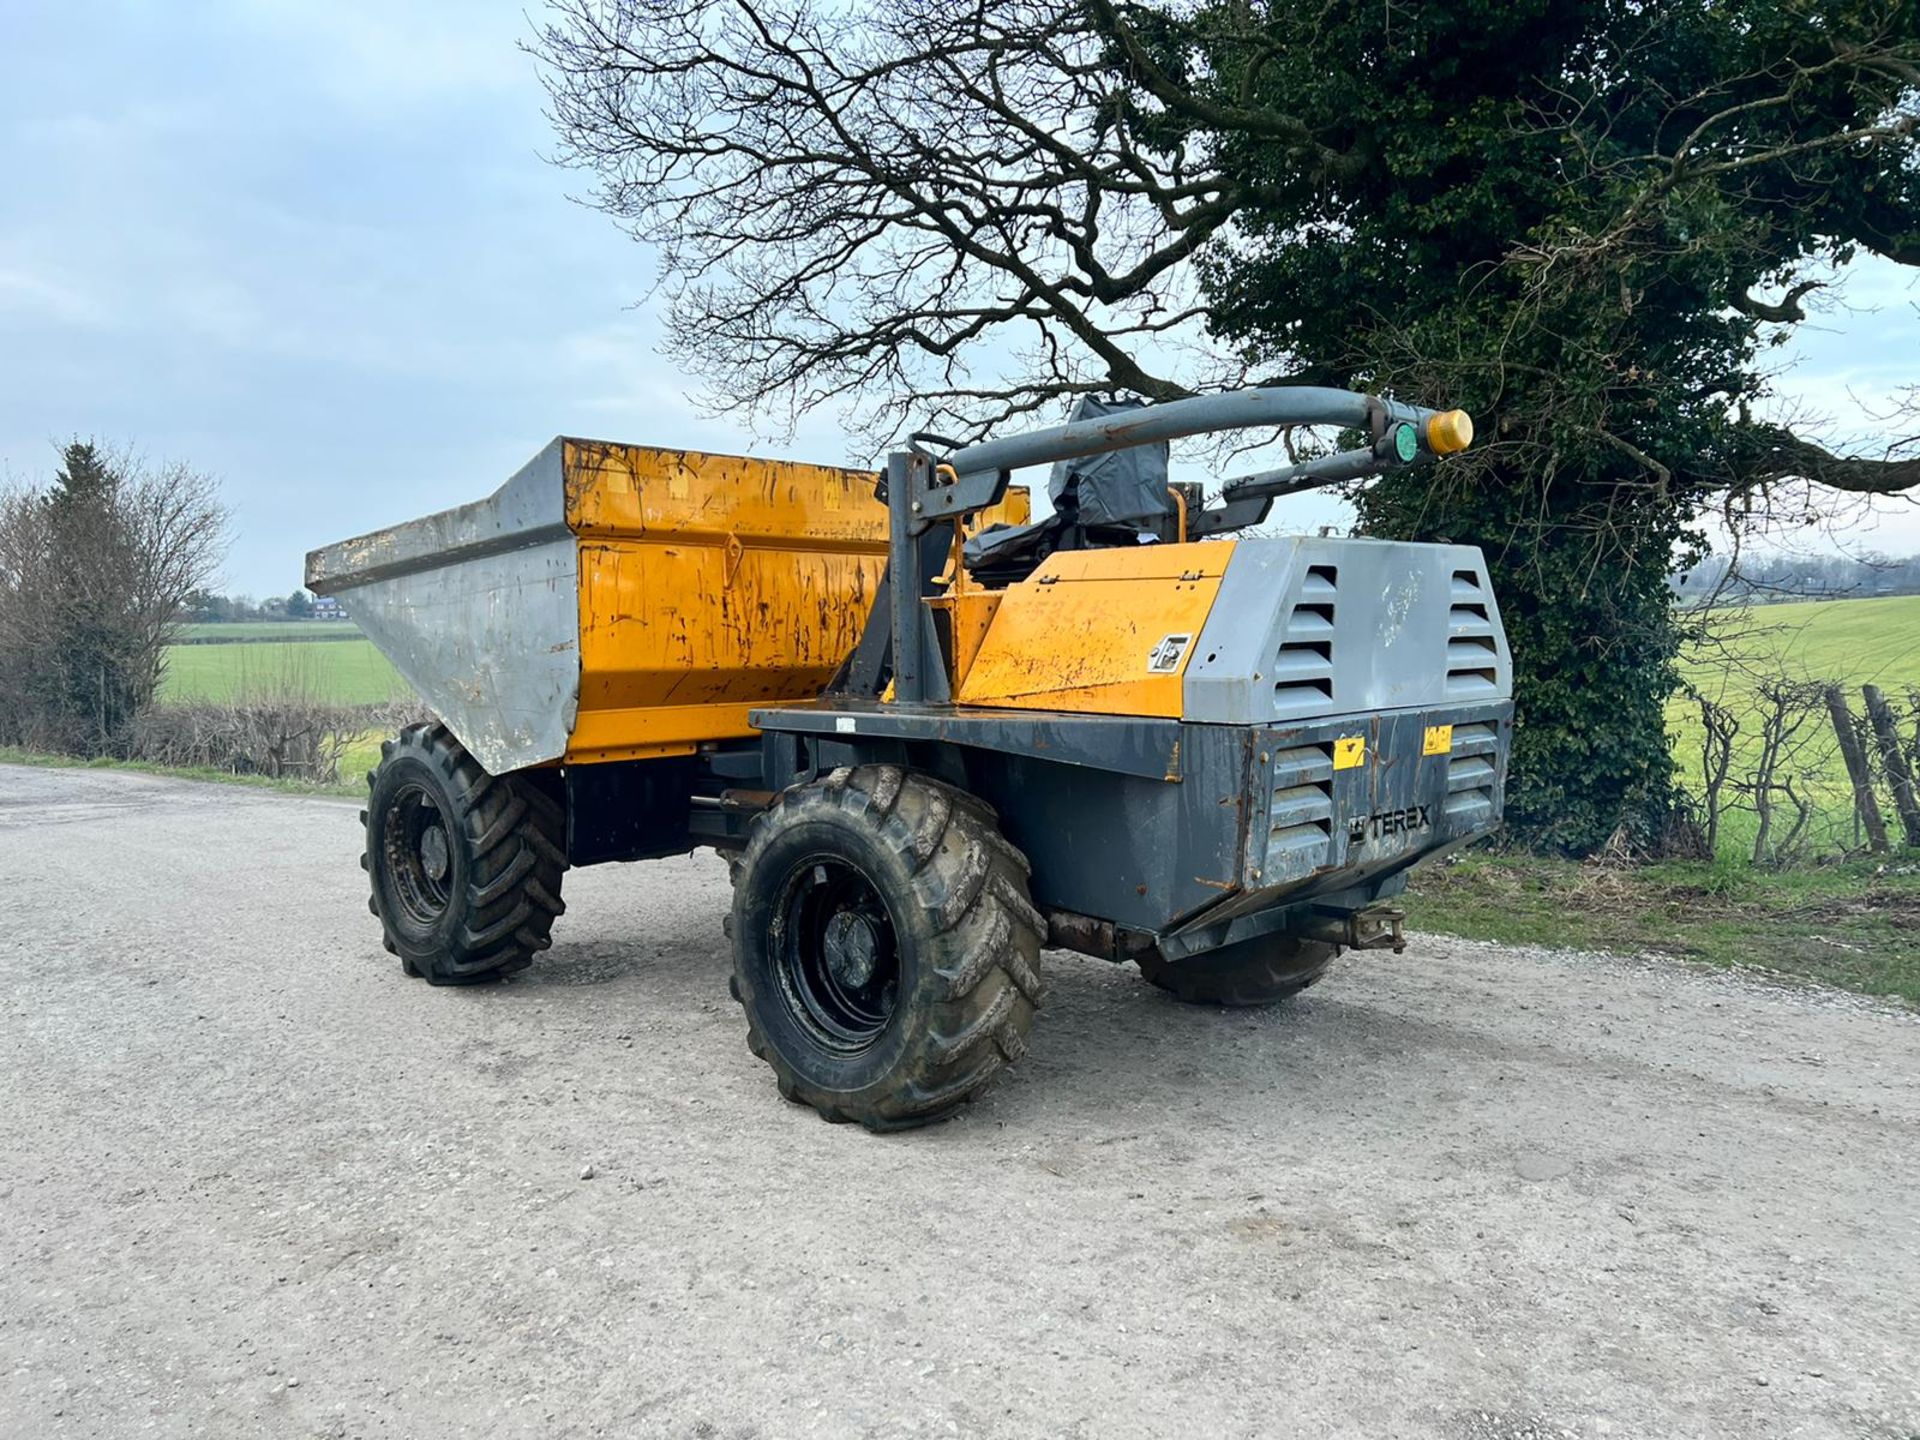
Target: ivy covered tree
column 1586, row 221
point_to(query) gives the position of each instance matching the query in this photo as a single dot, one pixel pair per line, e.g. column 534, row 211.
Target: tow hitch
column 1380, row 928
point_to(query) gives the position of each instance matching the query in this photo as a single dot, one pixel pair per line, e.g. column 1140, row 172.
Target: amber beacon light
column 1449, row 432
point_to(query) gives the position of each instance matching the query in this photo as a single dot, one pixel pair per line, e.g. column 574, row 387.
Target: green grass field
column 1854, row 923
column 342, row 672
column 1844, row 642
column 1853, row 642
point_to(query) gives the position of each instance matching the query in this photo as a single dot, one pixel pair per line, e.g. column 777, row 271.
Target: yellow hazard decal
column 1349, row 752
column 1439, row 740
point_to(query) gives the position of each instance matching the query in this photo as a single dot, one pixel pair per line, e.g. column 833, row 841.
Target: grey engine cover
column 1306, row 628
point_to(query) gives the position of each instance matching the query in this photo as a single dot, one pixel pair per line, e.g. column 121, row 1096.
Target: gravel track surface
column 255, row 1182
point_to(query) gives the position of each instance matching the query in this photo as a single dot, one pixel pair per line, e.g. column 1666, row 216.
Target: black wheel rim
column 836, row 954
column 418, row 845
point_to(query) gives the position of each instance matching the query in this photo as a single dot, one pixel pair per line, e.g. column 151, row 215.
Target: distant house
column 325, row 607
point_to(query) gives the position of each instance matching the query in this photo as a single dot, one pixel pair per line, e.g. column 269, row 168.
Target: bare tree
column 26, row 579
column 1789, row 758
column 94, row 571
column 867, row 202
column 1719, row 730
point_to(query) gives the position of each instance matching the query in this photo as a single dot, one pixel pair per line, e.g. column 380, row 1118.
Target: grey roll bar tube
column 1247, row 499
column 979, row 468
column 921, row 492
column 1325, row 470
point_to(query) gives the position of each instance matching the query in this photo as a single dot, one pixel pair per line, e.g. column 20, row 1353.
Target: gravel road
column 255, row 1182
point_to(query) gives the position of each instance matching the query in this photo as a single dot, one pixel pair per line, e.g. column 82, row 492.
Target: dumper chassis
column 931, row 736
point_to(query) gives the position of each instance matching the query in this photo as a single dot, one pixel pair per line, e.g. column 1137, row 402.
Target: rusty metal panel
column 713, row 583
column 478, row 609
column 640, row 491
column 709, row 583
column 968, row 616
column 1099, row 631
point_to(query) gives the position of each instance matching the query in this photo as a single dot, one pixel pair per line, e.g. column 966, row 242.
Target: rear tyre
column 465, row 866
column 884, row 947
column 1260, row 971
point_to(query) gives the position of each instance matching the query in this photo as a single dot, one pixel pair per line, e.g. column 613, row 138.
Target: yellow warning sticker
column 1439, row 740
column 1349, row 752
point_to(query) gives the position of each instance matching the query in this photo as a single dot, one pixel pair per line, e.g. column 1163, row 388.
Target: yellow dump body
column 612, row 601
column 710, row 583
column 713, row 583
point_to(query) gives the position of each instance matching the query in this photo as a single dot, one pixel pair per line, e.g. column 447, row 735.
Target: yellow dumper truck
column 932, row 734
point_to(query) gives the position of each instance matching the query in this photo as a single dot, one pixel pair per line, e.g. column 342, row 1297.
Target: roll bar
column 1270, row 406
column 923, row 491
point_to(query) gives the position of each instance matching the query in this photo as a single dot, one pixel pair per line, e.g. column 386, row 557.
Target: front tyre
column 1260, row 971
column 884, row 947
column 465, row 866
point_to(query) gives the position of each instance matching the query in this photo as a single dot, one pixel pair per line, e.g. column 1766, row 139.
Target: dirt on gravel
column 253, row 1181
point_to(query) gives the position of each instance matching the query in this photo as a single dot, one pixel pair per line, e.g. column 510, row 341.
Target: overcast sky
column 312, row 247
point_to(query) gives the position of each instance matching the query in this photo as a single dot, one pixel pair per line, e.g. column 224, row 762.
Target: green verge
column 359, row 758
column 1855, row 924
column 356, row 786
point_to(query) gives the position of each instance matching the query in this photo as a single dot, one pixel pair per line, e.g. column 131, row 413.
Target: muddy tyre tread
column 514, row 832
column 984, row 983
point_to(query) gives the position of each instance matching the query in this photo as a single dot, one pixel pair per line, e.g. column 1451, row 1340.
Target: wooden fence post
column 1851, row 750
column 1899, row 773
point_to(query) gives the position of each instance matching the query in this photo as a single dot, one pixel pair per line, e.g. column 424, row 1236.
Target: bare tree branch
column 852, row 206
column 1773, row 454
column 1787, row 311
